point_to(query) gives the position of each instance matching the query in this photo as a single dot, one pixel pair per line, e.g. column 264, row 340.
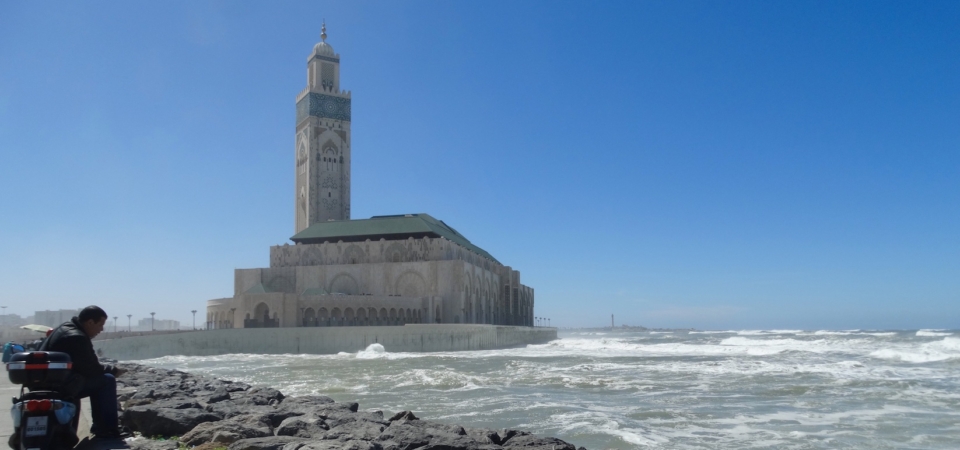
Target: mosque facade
column 385, row 270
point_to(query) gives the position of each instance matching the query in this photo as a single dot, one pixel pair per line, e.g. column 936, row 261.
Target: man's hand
column 117, row 371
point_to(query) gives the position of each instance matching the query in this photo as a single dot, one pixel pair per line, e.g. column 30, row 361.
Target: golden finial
column 323, row 31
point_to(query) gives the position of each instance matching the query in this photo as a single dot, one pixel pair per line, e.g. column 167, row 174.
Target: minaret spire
column 323, row 31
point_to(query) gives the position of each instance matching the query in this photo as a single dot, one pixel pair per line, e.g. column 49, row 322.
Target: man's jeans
column 102, row 391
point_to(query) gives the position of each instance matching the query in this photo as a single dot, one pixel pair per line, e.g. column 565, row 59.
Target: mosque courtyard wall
column 324, row 340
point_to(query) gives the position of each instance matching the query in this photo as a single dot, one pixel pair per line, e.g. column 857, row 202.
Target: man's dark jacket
column 72, row 340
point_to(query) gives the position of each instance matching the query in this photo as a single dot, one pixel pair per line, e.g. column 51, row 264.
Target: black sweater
column 70, row 338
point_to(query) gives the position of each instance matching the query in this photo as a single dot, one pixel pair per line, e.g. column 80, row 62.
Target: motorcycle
column 44, row 414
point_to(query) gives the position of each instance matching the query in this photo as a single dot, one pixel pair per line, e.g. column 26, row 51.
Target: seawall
column 325, row 340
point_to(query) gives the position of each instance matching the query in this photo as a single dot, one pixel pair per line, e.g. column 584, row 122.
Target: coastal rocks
column 215, row 413
column 151, row 421
column 531, row 442
column 403, row 415
column 265, row 443
column 302, row 427
column 229, row 430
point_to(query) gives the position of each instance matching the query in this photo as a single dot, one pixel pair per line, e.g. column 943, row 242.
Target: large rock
column 151, row 421
column 506, row 435
column 483, row 435
column 307, row 401
column 531, row 442
column 413, row 434
column 309, row 404
column 229, row 430
column 219, row 395
column 357, row 430
column 302, row 427
column 230, row 408
column 258, row 396
column 264, row 443
column 333, row 445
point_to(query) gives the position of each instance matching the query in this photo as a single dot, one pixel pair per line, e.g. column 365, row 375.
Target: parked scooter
column 43, row 414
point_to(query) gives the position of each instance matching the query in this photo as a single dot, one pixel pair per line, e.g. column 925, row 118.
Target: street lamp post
column 151, row 322
column 194, row 318
column 233, row 317
column 129, row 328
column 114, row 324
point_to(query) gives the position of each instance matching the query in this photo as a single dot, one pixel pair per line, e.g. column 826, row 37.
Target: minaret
column 322, row 141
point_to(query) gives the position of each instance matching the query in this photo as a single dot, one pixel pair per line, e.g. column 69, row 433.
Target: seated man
column 99, row 382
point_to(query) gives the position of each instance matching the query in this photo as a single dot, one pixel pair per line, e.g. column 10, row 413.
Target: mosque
column 385, row 270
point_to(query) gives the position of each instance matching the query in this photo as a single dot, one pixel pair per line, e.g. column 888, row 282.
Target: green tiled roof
column 314, row 291
column 396, row 227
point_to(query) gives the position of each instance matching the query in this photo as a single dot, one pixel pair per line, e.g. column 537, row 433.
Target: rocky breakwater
column 208, row 413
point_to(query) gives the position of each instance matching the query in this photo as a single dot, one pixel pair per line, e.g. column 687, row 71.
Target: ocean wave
column 932, row 333
column 853, row 333
column 943, row 350
column 767, row 332
column 734, row 345
column 372, row 351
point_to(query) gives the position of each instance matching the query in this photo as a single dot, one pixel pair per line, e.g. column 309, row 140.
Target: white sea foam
column 711, row 332
column 767, row 332
column 946, row 349
column 372, row 351
column 932, row 333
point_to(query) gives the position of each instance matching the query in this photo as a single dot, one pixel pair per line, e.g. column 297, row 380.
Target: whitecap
column 767, row 332
column 946, row 349
column 372, row 351
column 932, row 333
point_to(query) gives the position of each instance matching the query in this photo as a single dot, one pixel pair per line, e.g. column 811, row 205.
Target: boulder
column 264, row 443
column 151, row 421
column 483, row 435
column 506, row 435
column 357, row 430
column 302, row 426
column 333, row 445
column 258, row 396
column 411, row 434
column 403, row 415
column 229, row 430
column 531, row 442
column 307, row 401
column 230, row 408
column 219, row 395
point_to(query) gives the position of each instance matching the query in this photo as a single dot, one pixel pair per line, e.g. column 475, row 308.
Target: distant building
column 150, row 324
column 11, row 320
column 54, row 318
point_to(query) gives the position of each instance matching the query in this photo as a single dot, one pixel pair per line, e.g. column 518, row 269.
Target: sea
column 624, row 389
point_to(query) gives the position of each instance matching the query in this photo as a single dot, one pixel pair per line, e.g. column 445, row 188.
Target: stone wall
column 330, row 340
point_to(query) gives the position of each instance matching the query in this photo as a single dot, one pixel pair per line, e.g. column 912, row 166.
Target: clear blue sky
column 678, row 164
